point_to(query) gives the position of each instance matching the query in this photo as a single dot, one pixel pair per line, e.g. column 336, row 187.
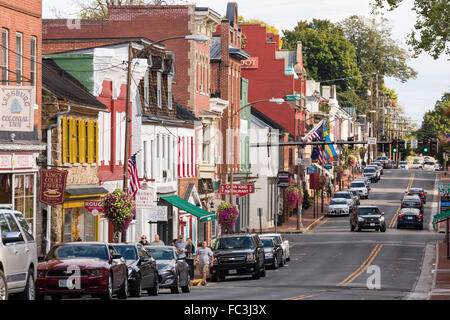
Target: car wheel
column 187, row 287
column 398, row 226
column 176, row 290
column 153, row 291
column 29, row 292
column 352, row 227
column 421, row 227
column 137, row 290
column 123, row 292
column 358, row 229
column 3, row 286
column 282, row 261
column 108, row 295
column 383, row 229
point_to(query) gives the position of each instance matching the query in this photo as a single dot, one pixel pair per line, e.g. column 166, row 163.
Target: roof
column 85, row 190
column 66, row 87
column 350, row 110
column 258, row 114
column 184, row 113
column 214, row 50
column 231, row 9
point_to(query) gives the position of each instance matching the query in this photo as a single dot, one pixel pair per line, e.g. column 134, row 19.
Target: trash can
column 280, row 220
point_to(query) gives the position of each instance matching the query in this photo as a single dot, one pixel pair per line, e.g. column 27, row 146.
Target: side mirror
column 382, row 213
column 116, row 256
column 12, row 237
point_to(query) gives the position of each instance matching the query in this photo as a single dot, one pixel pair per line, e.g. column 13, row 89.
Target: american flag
column 134, row 178
column 317, row 136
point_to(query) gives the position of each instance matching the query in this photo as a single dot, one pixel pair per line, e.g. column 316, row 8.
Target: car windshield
column 234, row 243
column 368, row 211
column 162, row 253
column 369, row 170
column 343, row 195
column 127, row 252
column 429, row 163
column 416, row 161
column 338, row 201
column 357, row 185
column 403, row 162
column 78, row 251
column 268, row 243
column 415, row 191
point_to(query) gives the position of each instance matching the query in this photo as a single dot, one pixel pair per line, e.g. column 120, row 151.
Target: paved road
column 333, row 263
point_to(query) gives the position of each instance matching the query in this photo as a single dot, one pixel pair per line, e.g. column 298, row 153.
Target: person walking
column 157, row 241
column 180, row 245
column 204, row 258
column 190, row 252
column 144, row 241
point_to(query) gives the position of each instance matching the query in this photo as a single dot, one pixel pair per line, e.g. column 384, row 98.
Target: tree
column 327, row 54
column 432, row 27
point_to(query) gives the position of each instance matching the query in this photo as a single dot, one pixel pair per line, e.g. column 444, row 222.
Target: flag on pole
column 134, row 178
column 316, row 134
column 330, row 152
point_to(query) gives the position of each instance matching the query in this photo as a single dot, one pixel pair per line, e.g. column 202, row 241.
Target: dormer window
column 169, row 91
column 146, row 89
column 158, row 90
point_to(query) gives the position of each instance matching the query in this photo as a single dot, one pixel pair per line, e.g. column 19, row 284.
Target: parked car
column 238, row 254
column 142, row 270
column 366, row 181
column 408, row 217
column 173, row 270
column 383, row 160
column 380, row 166
column 371, row 173
column 273, row 253
column 18, row 255
column 360, row 187
column 82, row 268
column 284, row 244
column 338, row 206
column 367, row 217
column 419, row 192
column 412, row 202
column 437, row 167
column 417, row 164
column 403, row 165
column 393, row 164
column 429, row 165
column 355, row 195
column 345, row 195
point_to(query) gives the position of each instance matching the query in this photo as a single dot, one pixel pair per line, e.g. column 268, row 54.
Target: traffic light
column 401, row 145
column 433, row 146
column 425, row 145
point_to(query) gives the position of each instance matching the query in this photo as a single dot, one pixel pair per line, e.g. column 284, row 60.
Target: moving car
column 338, row 206
column 273, row 252
column 367, row 217
column 371, row 173
column 80, row 268
column 419, row 192
column 417, row 164
column 18, row 255
column 360, row 187
column 383, row 160
column 429, row 165
column 238, row 254
column 173, row 271
column 142, row 271
column 408, row 217
column 284, row 244
column 366, row 181
column 403, row 165
column 345, row 195
column 437, row 167
column 380, row 166
column 355, row 195
column 412, row 202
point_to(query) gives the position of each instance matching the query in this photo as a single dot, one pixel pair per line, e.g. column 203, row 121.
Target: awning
column 182, row 204
column 85, row 191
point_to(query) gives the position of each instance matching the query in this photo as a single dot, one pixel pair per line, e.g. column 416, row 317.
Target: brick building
column 20, row 96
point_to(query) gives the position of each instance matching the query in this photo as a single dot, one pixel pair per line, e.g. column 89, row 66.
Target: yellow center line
column 343, row 282
column 365, row 267
column 305, row 296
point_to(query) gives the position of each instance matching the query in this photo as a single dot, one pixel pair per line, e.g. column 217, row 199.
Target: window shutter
column 65, row 141
column 96, row 141
column 73, row 141
column 90, row 137
column 82, row 140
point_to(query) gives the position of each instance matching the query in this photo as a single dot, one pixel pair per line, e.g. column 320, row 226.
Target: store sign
column 239, row 190
column 283, row 179
column 16, row 108
column 145, row 197
column 95, row 207
column 6, row 161
column 53, row 186
column 372, row 141
column 250, row 63
column 23, row 161
column 156, row 214
column 311, row 169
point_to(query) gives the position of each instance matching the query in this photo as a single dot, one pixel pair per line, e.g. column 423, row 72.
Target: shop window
column 79, row 141
column 24, row 196
column 79, row 225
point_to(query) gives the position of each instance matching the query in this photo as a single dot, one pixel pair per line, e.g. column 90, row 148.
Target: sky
column 416, row 96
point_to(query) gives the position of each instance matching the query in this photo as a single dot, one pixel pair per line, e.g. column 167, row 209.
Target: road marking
column 362, row 267
column 305, row 296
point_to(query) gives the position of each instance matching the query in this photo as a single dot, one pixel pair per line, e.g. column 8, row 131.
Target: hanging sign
column 17, row 108
column 145, row 197
column 53, row 186
column 95, row 207
column 239, row 190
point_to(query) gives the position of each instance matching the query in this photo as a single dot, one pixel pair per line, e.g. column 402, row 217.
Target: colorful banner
column 53, row 186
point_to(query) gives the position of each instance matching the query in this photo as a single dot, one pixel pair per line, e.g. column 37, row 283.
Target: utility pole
column 378, row 113
column 370, row 157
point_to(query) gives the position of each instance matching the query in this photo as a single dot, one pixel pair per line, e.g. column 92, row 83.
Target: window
column 169, row 92
column 25, row 227
column 80, row 141
column 33, row 61
column 24, row 196
column 145, row 160
column 206, row 142
column 4, row 57
column 146, row 89
column 159, row 94
column 19, row 53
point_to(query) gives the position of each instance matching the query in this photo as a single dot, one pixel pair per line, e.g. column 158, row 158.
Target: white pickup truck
column 284, row 245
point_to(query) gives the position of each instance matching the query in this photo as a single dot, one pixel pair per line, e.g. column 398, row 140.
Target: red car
column 82, row 268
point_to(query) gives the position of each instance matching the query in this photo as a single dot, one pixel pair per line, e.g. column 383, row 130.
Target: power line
column 352, row 77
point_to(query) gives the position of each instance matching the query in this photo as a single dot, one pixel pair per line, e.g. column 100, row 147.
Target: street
column 332, row 263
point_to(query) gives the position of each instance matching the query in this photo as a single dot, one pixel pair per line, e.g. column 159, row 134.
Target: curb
column 196, row 283
column 312, row 225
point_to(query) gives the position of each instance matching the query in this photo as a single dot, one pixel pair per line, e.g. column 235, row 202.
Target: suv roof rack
column 6, row 206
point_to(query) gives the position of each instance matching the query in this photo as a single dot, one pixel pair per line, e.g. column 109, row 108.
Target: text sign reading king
column 16, row 108
column 53, row 186
column 239, row 190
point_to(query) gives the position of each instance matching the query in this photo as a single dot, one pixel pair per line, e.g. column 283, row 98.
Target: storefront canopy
column 182, row 204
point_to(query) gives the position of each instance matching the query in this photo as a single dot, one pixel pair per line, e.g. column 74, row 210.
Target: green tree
column 432, row 28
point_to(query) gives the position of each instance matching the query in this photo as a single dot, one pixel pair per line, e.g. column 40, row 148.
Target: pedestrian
column 157, row 241
column 330, row 189
column 144, row 241
column 180, row 244
column 204, row 258
column 190, row 252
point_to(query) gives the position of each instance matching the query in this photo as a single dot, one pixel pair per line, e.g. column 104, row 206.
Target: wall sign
column 250, row 63
column 239, row 190
column 53, row 186
column 145, row 197
column 157, row 213
column 17, row 108
column 95, row 207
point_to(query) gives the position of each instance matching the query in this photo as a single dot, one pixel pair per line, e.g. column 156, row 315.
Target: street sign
column 311, row 169
column 239, row 190
column 303, row 162
column 157, row 213
column 372, row 140
column 145, row 197
column 444, row 187
column 328, row 166
column 414, row 144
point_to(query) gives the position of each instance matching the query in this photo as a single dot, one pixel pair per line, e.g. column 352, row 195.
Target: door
column 147, row 272
column 116, row 268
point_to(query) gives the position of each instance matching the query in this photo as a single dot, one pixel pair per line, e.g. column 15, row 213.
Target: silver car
column 360, row 187
column 338, row 206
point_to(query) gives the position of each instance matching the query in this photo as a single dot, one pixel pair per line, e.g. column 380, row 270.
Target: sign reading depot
column 16, row 108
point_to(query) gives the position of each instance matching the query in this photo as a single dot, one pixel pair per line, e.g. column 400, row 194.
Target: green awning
column 441, row 216
column 182, row 204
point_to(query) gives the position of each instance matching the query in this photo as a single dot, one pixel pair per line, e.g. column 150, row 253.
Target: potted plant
column 293, row 194
column 227, row 216
column 118, row 208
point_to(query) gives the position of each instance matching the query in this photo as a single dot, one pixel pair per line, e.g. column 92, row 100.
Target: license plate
column 410, row 218
column 372, row 224
column 65, row 283
column 232, row 271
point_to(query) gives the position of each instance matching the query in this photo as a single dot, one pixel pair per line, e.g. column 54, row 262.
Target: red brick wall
column 24, row 16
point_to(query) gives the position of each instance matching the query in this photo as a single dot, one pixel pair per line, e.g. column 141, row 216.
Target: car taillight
column 409, row 194
column 423, row 195
column 419, row 217
column 400, row 216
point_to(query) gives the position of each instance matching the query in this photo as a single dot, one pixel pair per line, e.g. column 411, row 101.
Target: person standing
column 190, row 251
column 157, row 241
column 180, row 244
column 144, row 241
column 204, row 257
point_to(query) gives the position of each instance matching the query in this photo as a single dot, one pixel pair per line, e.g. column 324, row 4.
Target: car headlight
column 269, row 254
column 130, row 270
column 360, row 219
column 99, row 272
column 251, row 257
column 41, row 273
column 382, row 219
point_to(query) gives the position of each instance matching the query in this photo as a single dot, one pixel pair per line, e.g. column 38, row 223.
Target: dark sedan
column 142, row 271
column 173, row 271
column 80, row 268
column 412, row 202
column 273, row 252
column 410, row 217
column 419, row 192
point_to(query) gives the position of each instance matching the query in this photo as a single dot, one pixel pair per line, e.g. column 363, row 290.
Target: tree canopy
column 432, row 28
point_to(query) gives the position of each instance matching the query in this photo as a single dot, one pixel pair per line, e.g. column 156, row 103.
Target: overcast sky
column 416, row 96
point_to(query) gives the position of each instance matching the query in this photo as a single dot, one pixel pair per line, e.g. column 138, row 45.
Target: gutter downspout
column 49, row 162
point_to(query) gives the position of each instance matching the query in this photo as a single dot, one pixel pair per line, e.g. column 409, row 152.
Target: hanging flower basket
column 227, row 216
column 352, row 161
column 294, row 194
column 119, row 210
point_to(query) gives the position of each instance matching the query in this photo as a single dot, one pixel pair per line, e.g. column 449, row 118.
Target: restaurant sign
column 53, row 186
column 239, row 190
column 94, row 207
column 16, row 108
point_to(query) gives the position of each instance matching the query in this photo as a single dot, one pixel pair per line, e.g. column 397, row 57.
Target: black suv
column 238, row 254
column 367, row 217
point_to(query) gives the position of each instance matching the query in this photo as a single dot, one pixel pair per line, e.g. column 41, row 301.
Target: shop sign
column 328, row 166
column 53, row 186
column 145, row 197
column 250, row 63
column 311, row 169
column 239, row 190
column 6, row 161
column 156, row 214
column 95, row 207
column 22, row 161
column 16, row 108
